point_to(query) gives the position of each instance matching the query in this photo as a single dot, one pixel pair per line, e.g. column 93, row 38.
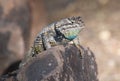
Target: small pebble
column 111, row 63
column 105, row 35
column 103, row 2
column 118, row 51
column 50, row 64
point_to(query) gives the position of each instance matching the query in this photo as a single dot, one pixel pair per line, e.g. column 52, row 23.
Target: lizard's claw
column 77, row 44
column 80, row 50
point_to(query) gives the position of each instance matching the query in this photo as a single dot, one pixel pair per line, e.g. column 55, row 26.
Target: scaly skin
column 58, row 33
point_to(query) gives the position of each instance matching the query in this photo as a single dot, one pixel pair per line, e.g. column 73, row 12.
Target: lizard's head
column 69, row 28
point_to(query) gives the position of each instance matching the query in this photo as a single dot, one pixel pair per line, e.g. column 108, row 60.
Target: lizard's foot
column 80, row 51
column 49, row 42
column 77, row 44
column 52, row 43
column 36, row 50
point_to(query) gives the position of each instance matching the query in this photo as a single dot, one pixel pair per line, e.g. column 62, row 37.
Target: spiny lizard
column 58, row 33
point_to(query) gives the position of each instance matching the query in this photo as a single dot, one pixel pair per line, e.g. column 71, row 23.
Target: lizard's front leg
column 76, row 42
column 48, row 41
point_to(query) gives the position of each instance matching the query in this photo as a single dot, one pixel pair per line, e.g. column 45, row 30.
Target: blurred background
column 21, row 20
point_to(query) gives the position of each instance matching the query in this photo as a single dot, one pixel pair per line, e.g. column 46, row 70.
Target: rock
column 14, row 31
column 60, row 64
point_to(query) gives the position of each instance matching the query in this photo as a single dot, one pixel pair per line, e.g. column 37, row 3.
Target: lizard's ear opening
column 57, row 31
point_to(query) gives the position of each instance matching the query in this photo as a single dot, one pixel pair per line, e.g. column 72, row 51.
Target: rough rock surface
column 60, row 64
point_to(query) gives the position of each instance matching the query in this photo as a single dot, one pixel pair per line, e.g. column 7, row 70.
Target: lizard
column 59, row 33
